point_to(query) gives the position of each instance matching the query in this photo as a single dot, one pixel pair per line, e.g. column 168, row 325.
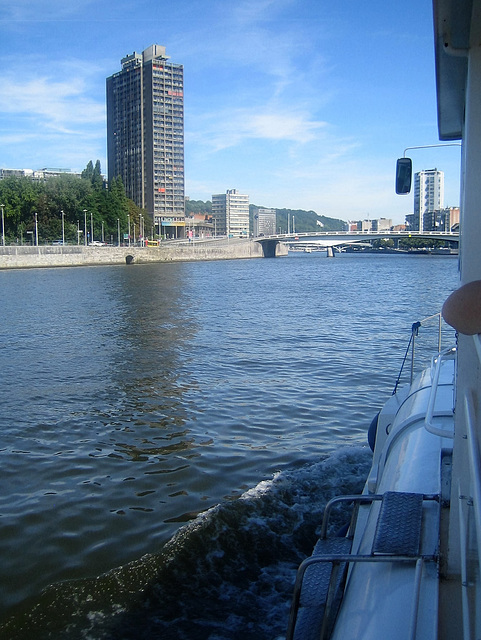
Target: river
column 171, row 432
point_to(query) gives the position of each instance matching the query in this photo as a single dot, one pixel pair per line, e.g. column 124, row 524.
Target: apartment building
column 428, row 195
column 230, row 212
column 145, row 136
column 265, row 222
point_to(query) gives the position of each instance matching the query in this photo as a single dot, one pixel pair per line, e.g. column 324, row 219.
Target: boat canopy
column 452, row 21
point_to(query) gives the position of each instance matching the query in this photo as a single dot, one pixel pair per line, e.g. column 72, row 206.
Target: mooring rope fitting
column 415, row 328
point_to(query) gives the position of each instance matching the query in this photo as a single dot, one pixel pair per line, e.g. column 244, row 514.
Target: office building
column 382, row 224
column 145, row 136
column 230, row 212
column 441, row 220
column 264, row 222
column 428, row 196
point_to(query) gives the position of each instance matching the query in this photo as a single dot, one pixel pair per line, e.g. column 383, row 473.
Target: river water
column 171, row 432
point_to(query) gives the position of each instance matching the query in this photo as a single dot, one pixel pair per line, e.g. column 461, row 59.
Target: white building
column 39, row 175
column 230, row 212
column 382, row 224
column 264, row 222
column 428, row 195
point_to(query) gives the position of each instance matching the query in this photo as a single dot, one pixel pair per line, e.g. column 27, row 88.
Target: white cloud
column 282, row 126
column 228, row 129
column 57, row 104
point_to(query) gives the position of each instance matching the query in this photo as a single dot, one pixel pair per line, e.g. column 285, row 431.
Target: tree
column 88, row 172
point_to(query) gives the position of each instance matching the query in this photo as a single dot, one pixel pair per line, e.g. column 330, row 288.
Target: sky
column 302, row 104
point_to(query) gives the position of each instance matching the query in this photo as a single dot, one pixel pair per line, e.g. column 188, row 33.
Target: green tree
column 88, row 172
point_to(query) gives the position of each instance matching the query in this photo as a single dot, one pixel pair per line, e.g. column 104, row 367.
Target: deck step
column 315, row 586
column 398, row 530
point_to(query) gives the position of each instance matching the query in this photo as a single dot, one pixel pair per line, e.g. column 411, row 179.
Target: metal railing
column 411, row 347
column 428, row 420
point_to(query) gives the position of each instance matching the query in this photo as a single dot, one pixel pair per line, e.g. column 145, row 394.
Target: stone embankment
column 19, row 257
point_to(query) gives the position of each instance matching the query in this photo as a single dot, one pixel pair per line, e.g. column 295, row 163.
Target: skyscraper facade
column 428, row 196
column 145, row 136
column 230, row 212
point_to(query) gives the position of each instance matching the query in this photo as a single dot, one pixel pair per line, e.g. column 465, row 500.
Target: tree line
column 32, row 205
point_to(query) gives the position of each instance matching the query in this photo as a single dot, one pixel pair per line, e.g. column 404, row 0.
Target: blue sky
column 299, row 103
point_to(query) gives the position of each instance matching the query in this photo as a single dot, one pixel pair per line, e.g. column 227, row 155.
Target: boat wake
column 226, row 575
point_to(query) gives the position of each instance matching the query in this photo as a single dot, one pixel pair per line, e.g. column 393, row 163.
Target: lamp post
column 63, row 228
column 118, row 232
column 91, row 227
column 3, row 225
column 85, row 227
column 36, row 229
column 103, row 231
column 128, row 216
column 78, row 232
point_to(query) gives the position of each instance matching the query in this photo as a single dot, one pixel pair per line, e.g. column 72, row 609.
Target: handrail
column 474, row 462
column 337, row 558
column 477, row 344
column 358, row 500
column 428, row 424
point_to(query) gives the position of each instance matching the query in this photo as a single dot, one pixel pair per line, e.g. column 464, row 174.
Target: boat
column 407, row 564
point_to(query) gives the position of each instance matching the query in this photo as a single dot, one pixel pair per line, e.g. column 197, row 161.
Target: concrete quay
column 27, row 257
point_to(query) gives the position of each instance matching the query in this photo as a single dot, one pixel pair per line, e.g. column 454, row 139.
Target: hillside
column 303, row 220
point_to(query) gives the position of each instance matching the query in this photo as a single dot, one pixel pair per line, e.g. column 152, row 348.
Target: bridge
column 330, row 239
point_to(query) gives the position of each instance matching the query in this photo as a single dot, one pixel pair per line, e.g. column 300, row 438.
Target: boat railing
column 473, row 448
column 428, row 421
column 336, row 559
column 474, row 460
column 329, row 585
column 411, row 347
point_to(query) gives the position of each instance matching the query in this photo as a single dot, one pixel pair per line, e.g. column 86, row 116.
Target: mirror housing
column 404, row 171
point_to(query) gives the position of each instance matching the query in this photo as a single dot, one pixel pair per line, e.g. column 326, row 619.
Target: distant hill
column 198, row 206
column 303, row 220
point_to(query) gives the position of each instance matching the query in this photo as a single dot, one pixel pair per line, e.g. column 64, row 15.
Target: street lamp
column 118, row 232
column 3, row 225
column 36, row 229
column 85, row 227
column 91, row 228
column 128, row 216
column 78, row 232
column 63, row 228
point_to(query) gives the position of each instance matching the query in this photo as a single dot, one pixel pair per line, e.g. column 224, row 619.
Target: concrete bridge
column 329, row 239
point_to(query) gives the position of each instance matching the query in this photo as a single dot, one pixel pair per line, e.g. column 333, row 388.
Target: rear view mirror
column 404, row 171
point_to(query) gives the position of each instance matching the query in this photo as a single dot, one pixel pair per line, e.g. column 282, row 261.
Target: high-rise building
column 145, row 135
column 230, row 212
column 264, row 222
column 428, row 195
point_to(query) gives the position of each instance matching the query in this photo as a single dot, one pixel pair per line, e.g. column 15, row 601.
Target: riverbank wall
column 27, row 257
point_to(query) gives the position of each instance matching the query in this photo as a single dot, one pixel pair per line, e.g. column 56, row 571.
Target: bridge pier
column 330, row 252
column 272, row 248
